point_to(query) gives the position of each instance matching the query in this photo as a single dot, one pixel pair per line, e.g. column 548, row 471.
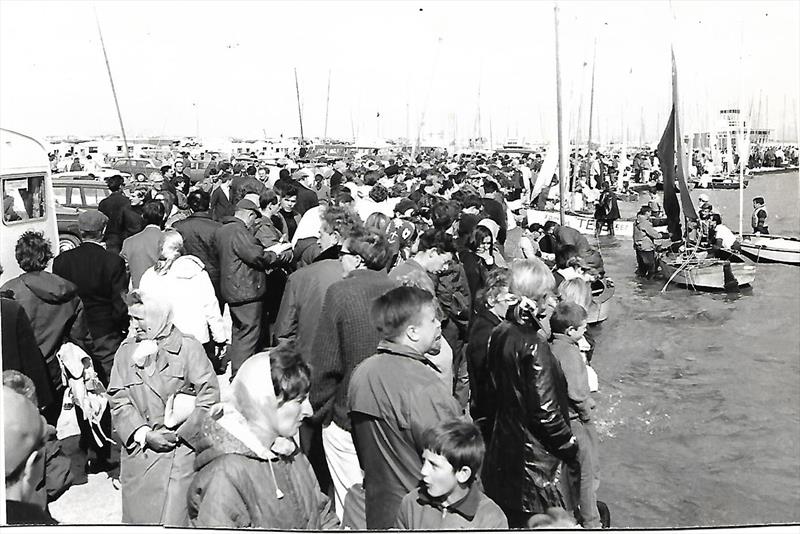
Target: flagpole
column 562, row 151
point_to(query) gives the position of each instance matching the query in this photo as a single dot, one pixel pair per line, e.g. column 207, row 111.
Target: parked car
column 72, row 197
column 137, row 167
column 99, row 175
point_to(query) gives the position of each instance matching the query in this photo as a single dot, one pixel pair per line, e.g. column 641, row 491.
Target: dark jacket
column 242, row 262
column 123, row 222
column 345, row 337
column 531, row 435
column 198, row 230
column 481, row 403
column 220, row 205
column 236, row 487
column 55, row 312
column 102, row 281
column 394, row 397
column 25, row 513
column 241, row 185
column 476, row 270
column 20, row 351
column 306, row 198
column 301, row 305
column 476, row 511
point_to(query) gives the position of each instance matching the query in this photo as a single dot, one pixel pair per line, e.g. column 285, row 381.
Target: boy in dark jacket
column 448, row 498
column 568, row 324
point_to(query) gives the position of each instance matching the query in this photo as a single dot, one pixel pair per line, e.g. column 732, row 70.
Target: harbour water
column 699, row 403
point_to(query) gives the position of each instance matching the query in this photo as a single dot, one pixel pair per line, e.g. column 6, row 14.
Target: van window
column 23, row 198
column 93, row 196
column 60, row 195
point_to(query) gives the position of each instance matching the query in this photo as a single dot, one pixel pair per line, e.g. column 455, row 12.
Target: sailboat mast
column 327, row 106
column 591, row 99
column 299, row 110
column 562, row 150
column 113, row 89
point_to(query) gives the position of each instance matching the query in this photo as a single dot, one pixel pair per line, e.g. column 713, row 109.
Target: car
column 98, row 175
column 136, row 167
column 71, row 198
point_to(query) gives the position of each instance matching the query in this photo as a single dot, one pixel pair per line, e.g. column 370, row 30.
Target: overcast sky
column 229, row 66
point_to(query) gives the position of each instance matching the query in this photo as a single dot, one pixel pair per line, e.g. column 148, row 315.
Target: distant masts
column 591, row 99
column 299, row 110
column 327, row 105
column 113, row 89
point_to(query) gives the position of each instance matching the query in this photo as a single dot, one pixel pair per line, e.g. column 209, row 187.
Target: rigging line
column 111, row 79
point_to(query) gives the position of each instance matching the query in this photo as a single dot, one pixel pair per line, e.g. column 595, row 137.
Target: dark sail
column 666, row 160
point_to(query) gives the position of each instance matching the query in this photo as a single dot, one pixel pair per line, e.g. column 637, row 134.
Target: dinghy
column 771, row 248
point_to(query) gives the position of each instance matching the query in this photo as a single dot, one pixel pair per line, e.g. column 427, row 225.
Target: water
column 699, row 403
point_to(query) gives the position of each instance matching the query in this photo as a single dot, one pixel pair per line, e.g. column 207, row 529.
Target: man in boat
column 644, row 236
column 759, row 218
column 720, row 236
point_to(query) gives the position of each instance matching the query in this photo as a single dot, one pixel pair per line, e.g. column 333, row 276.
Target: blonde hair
column 576, row 290
column 530, row 278
column 171, row 248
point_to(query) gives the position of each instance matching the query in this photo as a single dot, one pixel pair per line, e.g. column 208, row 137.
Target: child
column 568, row 325
column 448, row 498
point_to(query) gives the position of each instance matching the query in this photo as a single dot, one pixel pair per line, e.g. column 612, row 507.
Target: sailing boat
column 694, row 267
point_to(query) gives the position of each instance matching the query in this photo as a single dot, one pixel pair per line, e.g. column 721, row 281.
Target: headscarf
column 158, row 320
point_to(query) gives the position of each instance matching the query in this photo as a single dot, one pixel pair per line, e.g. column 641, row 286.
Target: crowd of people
column 373, row 344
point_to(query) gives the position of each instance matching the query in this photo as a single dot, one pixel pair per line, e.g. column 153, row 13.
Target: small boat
column 718, row 182
column 771, row 248
column 773, row 170
column 726, row 270
column 631, row 196
column 602, row 291
column 584, row 223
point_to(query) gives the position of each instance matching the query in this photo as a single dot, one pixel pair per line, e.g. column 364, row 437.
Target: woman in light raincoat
column 150, row 368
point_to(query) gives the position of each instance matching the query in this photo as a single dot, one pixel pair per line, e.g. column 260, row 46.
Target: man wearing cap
column 101, row 278
column 25, row 433
column 123, row 222
column 243, row 282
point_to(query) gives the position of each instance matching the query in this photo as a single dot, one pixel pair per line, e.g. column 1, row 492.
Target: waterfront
column 699, row 408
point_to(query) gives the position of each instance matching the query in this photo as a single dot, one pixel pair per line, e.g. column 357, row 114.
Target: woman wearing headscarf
column 491, row 255
column 531, row 435
column 183, row 281
column 250, row 472
column 161, row 386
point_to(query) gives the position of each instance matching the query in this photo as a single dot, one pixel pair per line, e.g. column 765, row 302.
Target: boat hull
column 601, row 302
column 709, row 273
column 585, row 224
column 771, row 248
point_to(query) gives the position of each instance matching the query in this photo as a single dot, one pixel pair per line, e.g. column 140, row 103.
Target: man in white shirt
column 721, row 234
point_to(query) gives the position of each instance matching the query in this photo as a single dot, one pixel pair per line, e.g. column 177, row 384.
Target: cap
column 91, row 221
column 704, row 198
column 247, row 204
column 404, row 205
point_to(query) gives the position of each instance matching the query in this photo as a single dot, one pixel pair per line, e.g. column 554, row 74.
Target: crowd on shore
column 403, row 349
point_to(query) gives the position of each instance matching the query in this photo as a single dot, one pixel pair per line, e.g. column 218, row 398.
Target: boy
column 759, row 219
column 568, row 324
column 448, row 498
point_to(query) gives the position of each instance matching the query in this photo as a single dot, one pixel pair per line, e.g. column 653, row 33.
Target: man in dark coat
column 306, row 198
column 220, row 204
column 243, row 281
column 198, row 231
column 123, row 222
column 102, row 280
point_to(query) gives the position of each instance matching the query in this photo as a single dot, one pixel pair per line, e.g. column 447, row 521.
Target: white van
column 27, row 194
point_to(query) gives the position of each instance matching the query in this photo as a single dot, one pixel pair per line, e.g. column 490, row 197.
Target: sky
column 445, row 69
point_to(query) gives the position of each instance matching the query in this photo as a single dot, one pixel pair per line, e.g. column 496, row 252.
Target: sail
column 547, row 170
column 686, row 199
column 666, row 159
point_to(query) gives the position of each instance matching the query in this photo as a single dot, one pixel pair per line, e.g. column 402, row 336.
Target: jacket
column 102, row 280
column 301, row 305
column 154, row 484
column 476, row 271
column 198, row 231
column 242, row 262
column 481, row 403
column 141, row 251
column 21, row 352
column 187, row 286
column 476, row 511
column 644, row 234
column 569, row 357
column 55, row 312
column 220, row 205
column 394, row 396
column 240, row 483
column 345, row 337
column 123, row 222
column 531, row 435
